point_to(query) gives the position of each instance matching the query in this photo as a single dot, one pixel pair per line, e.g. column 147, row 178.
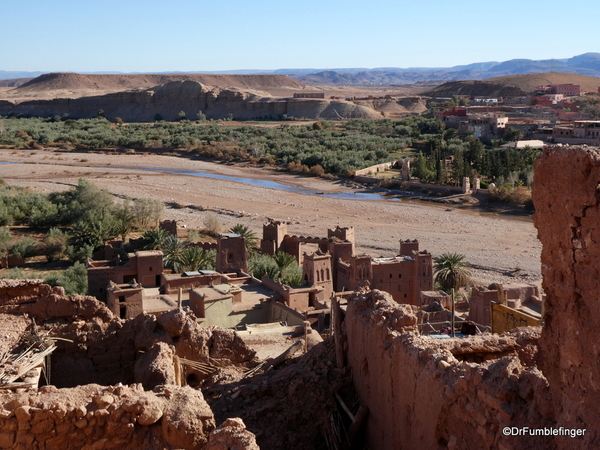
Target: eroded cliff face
column 170, row 98
column 567, row 197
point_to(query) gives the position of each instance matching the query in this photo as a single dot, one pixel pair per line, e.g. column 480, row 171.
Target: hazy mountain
column 9, row 75
column 585, row 64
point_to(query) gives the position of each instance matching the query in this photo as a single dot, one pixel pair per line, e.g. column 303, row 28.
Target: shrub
column 212, row 224
column 25, row 248
column 260, row 265
column 193, row 236
column 518, row 195
column 316, row 171
column 54, row 244
column 74, row 280
column 147, row 212
column 80, row 254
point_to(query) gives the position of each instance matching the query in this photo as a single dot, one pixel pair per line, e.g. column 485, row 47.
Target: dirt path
column 494, row 245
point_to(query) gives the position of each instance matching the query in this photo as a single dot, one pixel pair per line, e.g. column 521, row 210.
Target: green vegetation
column 340, row 151
column 74, row 279
column 323, row 149
column 281, row 267
column 451, row 271
column 250, row 237
column 195, row 258
column 590, row 104
column 76, row 222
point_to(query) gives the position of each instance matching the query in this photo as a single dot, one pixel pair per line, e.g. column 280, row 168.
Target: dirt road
column 495, row 245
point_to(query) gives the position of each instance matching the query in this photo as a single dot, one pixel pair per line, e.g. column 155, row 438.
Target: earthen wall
column 566, row 194
column 172, row 282
column 442, row 394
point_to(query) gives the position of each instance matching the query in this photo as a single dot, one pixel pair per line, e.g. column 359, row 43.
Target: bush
column 147, row 212
column 54, row 244
column 212, row 224
column 74, row 280
column 80, row 254
column 517, row 196
column 260, row 265
column 316, row 171
column 25, row 248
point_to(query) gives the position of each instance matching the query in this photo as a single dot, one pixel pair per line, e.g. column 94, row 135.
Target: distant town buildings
column 309, row 95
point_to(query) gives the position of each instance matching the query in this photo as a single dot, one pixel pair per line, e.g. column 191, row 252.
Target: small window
column 150, row 269
column 399, row 275
column 390, row 275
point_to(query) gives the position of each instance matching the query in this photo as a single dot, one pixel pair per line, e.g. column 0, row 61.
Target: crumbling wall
column 567, row 201
column 292, row 406
column 113, row 417
column 101, row 348
column 232, row 435
column 432, row 393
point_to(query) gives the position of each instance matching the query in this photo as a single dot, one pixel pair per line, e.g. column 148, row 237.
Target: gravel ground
column 501, row 249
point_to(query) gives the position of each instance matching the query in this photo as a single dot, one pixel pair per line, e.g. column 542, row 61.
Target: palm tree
column 154, row 238
column 195, row 258
column 451, row 271
column 284, row 261
column 250, row 238
column 172, row 249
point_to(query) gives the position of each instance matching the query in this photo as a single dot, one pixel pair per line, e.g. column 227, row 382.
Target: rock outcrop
column 169, row 99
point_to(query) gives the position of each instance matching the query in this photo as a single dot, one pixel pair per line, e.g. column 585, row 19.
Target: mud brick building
column 145, row 267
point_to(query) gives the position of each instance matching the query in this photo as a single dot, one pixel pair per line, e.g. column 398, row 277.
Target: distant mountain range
column 585, row 64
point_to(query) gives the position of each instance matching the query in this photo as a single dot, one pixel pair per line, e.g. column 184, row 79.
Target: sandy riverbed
column 496, row 245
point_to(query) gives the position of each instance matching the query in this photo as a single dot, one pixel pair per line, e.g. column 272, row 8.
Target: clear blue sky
column 188, row 35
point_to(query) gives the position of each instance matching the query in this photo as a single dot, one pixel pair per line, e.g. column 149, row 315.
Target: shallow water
column 271, row 184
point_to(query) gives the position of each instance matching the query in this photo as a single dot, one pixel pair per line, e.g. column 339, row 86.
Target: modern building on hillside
column 484, row 126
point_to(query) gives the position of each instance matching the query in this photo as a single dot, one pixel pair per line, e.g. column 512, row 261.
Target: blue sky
column 186, row 35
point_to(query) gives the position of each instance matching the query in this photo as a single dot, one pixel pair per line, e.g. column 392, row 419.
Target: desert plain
column 500, row 248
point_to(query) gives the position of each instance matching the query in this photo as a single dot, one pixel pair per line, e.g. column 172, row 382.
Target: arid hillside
column 512, row 85
column 54, row 84
column 143, row 98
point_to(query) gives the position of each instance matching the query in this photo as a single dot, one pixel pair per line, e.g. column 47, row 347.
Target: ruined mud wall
column 114, row 417
column 436, row 394
column 566, row 195
column 101, row 348
column 290, row 407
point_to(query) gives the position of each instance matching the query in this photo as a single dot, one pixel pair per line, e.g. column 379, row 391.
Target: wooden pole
column 337, row 331
column 452, row 325
column 357, row 425
column 306, row 324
